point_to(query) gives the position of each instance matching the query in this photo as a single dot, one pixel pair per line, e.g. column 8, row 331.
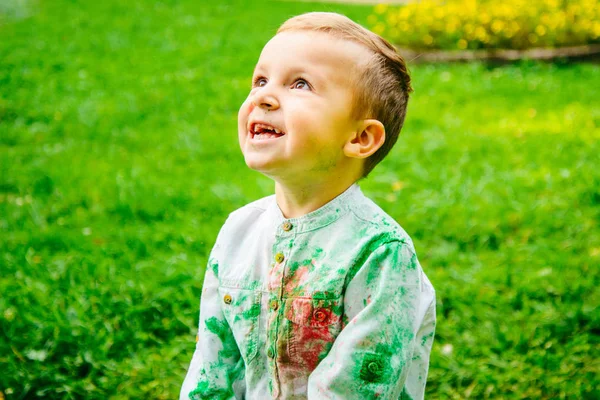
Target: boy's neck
column 297, row 200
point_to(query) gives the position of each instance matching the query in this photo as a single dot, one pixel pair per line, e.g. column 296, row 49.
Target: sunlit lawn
column 119, row 163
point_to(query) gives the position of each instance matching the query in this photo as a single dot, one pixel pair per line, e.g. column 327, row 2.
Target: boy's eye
column 259, row 82
column 301, row 84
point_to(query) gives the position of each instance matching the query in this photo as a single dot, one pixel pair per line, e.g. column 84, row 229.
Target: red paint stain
column 313, row 331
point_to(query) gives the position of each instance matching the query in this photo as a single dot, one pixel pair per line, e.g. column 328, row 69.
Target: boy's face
column 297, row 118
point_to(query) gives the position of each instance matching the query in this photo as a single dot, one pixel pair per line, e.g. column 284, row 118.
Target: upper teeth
column 258, row 127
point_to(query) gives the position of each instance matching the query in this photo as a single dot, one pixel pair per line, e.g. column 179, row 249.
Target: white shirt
column 330, row 305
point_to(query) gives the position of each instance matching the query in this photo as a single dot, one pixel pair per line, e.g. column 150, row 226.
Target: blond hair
column 383, row 85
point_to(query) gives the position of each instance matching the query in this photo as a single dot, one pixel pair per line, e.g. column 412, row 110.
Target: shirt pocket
column 313, row 326
column 241, row 308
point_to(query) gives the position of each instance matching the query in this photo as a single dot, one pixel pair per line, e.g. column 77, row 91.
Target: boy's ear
column 367, row 139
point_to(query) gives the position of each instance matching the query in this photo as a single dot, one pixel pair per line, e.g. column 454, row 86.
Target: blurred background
column 119, row 162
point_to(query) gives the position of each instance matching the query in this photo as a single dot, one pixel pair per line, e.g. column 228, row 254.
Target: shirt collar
column 319, row 218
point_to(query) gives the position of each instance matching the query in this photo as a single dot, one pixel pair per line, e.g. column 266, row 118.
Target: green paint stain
column 337, row 309
column 375, row 367
column 318, row 253
column 384, row 238
column 426, row 338
column 252, row 313
column 404, row 395
column 323, row 295
column 214, row 266
column 413, row 262
column 203, row 387
column 204, row 390
column 373, row 270
column 221, row 329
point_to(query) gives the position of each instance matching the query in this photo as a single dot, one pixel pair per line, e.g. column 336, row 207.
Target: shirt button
column 279, row 257
column 270, row 353
column 373, row 367
column 287, row 226
column 274, row 305
column 320, row 315
column 227, row 299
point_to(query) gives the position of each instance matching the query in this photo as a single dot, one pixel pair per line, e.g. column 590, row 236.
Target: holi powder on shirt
column 206, row 386
column 352, row 283
column 313, row 329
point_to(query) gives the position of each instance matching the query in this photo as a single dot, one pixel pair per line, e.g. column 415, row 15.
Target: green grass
column 119, row 162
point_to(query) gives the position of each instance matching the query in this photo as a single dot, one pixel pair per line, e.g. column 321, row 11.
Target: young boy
column 315, row 292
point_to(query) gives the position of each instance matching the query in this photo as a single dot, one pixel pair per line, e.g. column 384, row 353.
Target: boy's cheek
column 245, row 109
column 243, row 116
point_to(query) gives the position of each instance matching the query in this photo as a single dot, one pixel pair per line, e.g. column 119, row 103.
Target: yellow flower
column 379, row 29
column 522, row 24
column 398, row 185
column 585, row 25
column 451, row 27
column 596, row 30
column 381, row 8
column 497, row 26
column 540, row 30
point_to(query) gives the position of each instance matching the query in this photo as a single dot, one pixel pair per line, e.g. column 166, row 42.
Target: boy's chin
column 274, row 171
column 264, row 167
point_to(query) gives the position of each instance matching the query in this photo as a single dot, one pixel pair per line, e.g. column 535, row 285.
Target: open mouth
column 261, row 131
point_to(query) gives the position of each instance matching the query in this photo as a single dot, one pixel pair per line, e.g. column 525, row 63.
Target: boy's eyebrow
column 313, row 75
column 299, row 71
column 257, row 68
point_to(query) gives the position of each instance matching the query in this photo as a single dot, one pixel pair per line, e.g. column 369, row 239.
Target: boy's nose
column 266, row 101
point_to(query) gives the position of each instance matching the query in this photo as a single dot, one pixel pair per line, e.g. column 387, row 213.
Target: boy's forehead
column 308, row 48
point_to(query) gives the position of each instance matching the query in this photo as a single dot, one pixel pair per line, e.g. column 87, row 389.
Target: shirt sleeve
column 389, row 315
column 217, row 368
